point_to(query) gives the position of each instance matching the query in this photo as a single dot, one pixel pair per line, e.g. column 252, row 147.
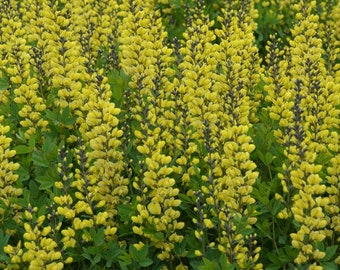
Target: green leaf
column 49, row 146
column 273, row 267
column 23, row 173
column 51, row 115
column 208, row 265
column 263, row 227
column 9, row 224
column 275, row 206
column 284, row 258
column 125, row 212
column 261, row 155
column 146, row 262
column 45, row 181
column 329, row 265
column 144, row 251
column 139, row 255
column 3, row 83
column 99, row 237
column 118, row 81
column 96, row 259
column 86, row 254
column 123, row 264
column 112, row 253
column 195, row 264
column 3, row 242
column 21, row 135
column 31, row 142
column 39, row 159
column 34, row 190
column 273, row 258
column 330, row 252
column 180, row 248
column 268, row 158
column 134, row 253
column 228, row 266
column 292, row 253
column 3, row 238
column 282, row 239
column 22, row 149
column 66, row 118
column 159, row 236
column 223, row 261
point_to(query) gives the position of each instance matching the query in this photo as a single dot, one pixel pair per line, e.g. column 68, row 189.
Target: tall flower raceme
column 334, row 170
column 334, row 37
column 46, row 241
column 332, row 209
column 97, row 180
column 61, row 59
column 39, row 22
column 327, row 32
column 41, row 248
column 94, row 23
column 9, row 208
column 333, row 56
column 28, row 96
column 56, row 59
column 196, row 103
column 238, row 25
column 196, row 65
column 197, row 68
column 310, row 98
column 336, row 20
column 230, row 180
column 16, row 59
column 100, row 130
column 144, row 57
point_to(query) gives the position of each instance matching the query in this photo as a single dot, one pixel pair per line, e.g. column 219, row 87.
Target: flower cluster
column 42, row 251
column 9, row 191
column 145, row 58
column 304, row 101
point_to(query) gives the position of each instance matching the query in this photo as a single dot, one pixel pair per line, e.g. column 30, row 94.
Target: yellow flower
column 154, row 208
column 198, row 253
column 139, row 246
column 137, row 230
column 208, row 223
column 110, row 231
column 101, row 217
